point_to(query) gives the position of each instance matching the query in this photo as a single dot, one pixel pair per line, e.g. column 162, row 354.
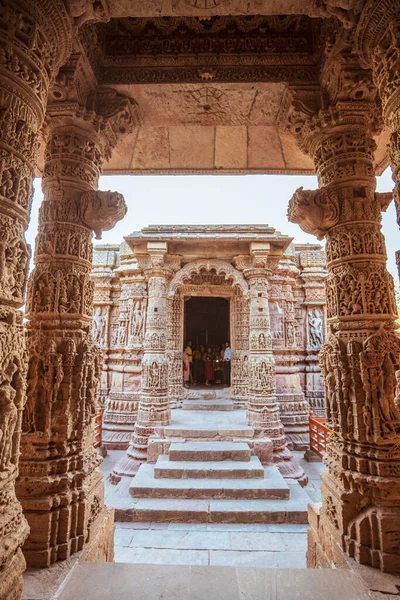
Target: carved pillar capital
column 101, row 211
column 316, row 211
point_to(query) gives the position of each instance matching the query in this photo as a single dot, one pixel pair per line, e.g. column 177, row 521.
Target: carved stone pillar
column 312, row 310
column 293, row 407
column 239, row 319
column 154, row 410
column 360, row 512
column 126, row 354
column 60, row 486
column 378, row 43
column 34, row 41
column 175, row 308
column 263, row 408
column 105, row 262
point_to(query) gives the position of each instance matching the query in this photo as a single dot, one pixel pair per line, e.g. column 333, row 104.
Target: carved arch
column 183, row 276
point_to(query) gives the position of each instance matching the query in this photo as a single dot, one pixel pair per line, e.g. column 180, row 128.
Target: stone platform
column 151, row 582
column 277, row 545
column 204, row 468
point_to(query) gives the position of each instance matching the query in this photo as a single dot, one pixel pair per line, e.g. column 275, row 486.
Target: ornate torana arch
column 184, row 275
column 239, row 319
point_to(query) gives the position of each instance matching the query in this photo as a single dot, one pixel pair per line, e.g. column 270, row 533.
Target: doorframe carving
column 236, row 290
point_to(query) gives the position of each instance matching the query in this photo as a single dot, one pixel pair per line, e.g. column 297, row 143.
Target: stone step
column 208, row 404
column 209, row 451
column 272, row 487
column 227, row 469
column 221, row 432
column 208, row 393
column 106, row 581
column 176, row 510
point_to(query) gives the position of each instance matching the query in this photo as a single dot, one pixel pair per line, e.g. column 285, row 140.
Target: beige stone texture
column 230, row 147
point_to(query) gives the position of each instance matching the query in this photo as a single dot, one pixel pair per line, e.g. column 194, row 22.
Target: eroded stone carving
column 101, row 210
column 65, row 360
column 34, row 41
column 315, row 324
column 361, row 356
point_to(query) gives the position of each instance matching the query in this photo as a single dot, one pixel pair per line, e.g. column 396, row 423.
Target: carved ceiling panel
column 206, row 8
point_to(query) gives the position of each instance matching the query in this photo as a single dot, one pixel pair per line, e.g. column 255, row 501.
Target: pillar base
column 297, row 440
column 288, row 467
column 11, row 582
column 324, row 552
column 311, row 456
column 44, row 583
column 128, row 466
column 58, row 534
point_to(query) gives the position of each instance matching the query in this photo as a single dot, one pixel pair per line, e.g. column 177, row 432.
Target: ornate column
column 154, row 408
column 126, row 354
column 175, row 310
column 105, row 261
column 35, row 39
column 293, row 407
column 378, row 43
column 239, row 318
column 360, row 512
column 312, row 309
column 60, row 486
column 263, row 408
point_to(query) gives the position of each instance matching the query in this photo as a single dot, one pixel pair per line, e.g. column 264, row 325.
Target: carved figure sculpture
column 99, row 326
column 315, row 328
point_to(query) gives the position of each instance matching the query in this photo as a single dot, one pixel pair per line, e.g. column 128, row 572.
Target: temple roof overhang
column 206, row 241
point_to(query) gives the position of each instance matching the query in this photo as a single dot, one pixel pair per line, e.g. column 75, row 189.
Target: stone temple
column 182, row 87
column 275, row 320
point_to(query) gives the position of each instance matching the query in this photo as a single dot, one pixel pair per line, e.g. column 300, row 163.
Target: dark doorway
column 207, row 320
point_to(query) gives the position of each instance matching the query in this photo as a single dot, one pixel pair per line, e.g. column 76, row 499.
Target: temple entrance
column 207, row 326
column 207, row 320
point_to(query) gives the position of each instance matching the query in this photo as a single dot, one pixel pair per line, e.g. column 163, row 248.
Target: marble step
column 272, row 487
column 209, row 451
column 226, row 469
column 177, row 510
column 201, row 404
column 208, row 432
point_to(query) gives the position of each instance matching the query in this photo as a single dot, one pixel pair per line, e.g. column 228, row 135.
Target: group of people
column 211, row 365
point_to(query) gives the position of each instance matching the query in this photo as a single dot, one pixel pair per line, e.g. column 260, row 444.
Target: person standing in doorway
column 197, row 365
column 208, row 365
column 186, row 368
column 189, row 352
column 227, row 363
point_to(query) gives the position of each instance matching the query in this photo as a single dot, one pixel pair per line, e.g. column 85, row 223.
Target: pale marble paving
column 224, row 544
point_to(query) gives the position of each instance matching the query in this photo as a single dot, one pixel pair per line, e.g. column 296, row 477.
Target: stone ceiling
column 210, row 78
